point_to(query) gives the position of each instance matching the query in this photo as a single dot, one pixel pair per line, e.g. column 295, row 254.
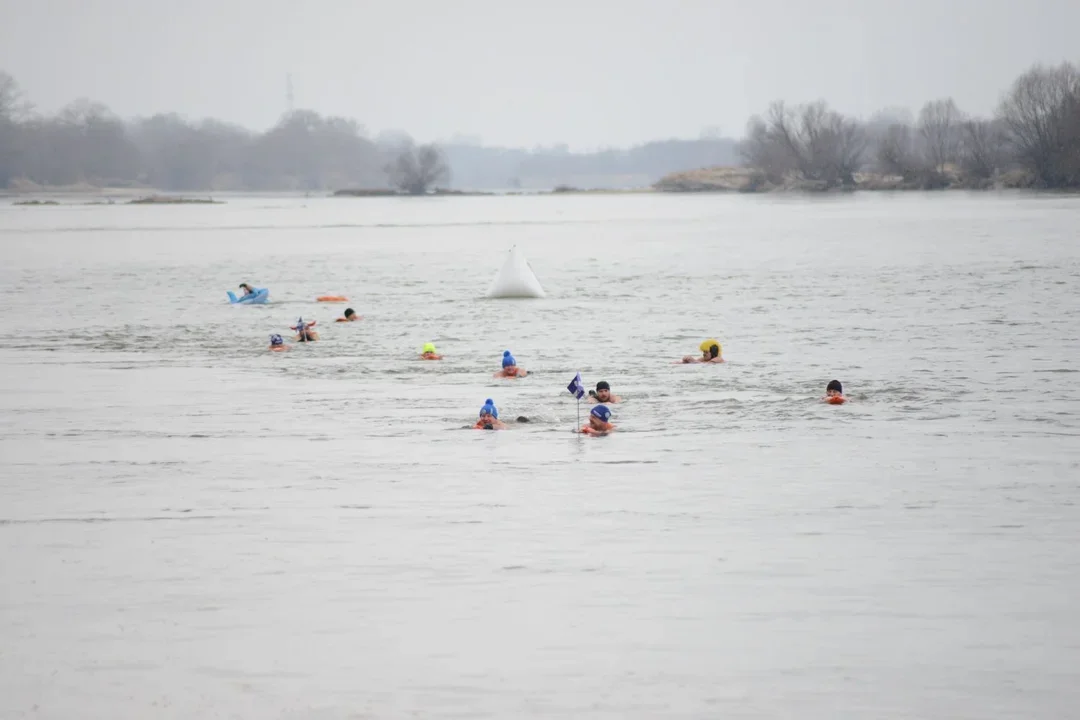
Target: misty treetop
column 1033, row 140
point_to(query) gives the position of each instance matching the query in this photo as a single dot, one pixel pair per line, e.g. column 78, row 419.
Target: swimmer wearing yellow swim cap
column 710, row 353
column 428, row 353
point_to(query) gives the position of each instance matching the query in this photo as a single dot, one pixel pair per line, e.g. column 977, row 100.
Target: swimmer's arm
column 499, row 424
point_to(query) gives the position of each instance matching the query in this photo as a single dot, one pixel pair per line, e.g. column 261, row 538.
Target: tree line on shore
column 86, row 144
column 1032, row 140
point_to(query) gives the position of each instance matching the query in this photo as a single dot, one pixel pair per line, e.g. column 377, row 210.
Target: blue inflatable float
column 258, row 296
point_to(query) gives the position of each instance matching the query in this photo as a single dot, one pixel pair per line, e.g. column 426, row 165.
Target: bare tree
column 1041, row 118
column 13, row 104
column 13, row 111
column 760, row 151
column 843, row 146
column 981, row 151
column 939, row 122
column 810, row 141
column 896, row 153
column 417, row 169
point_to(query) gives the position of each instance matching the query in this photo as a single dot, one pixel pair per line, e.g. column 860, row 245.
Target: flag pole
column 576, row 427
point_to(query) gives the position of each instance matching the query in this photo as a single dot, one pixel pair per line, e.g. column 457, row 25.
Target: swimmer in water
column 489, row 417
column 710, row 353
column 510, row 368
column 599, row 421
column 247, row 289
column 834, row 393
column 602, row 394
column 304, row 333
column 350, row 316
column 277, row 344
column 428, row 353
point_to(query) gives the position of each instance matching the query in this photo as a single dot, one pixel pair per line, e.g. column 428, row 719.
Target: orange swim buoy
column 836, row 400
column 331, row 298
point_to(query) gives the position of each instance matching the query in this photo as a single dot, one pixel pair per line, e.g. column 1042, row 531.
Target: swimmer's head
column 710, row 349
column 834, row 386
column 603, row 391
column 489, row 409
column 601, row 413
column 429, row 348
column 349, row 312
column 508, row 359
column 276, row 340
column 245, row 286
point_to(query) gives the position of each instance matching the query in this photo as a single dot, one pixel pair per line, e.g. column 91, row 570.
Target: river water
column 192, row 526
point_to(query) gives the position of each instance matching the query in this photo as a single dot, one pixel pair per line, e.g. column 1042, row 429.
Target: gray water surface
column 191, row 526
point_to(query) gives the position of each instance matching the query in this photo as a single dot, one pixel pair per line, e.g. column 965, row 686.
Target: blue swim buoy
column 258, row 297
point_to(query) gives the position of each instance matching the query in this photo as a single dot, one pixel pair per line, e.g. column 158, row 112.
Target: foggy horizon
column 509, row 77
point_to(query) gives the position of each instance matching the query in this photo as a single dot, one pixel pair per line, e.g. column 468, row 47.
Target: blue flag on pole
column 575, row 387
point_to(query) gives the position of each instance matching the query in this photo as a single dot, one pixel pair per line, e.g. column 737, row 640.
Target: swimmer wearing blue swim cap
column 599, row 421
column 489, row 417
column 509, row 367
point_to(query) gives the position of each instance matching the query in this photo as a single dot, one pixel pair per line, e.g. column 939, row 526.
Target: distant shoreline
column 705, row 181
column 109, row 200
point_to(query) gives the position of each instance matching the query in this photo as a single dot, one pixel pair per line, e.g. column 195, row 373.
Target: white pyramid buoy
column 515, row 279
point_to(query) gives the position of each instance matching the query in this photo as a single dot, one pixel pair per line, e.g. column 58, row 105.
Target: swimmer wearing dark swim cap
column 834, row 393
column 603, row 394
column 350, row 316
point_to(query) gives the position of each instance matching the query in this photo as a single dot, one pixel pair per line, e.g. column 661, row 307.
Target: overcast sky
column 588, row 73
